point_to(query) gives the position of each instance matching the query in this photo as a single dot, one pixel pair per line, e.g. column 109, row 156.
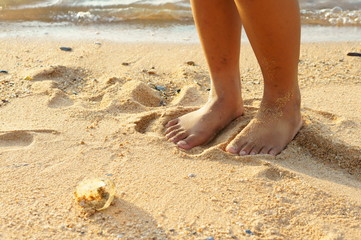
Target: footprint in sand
column 60, row 74
column 316, row 138
column 133, row 96
column 16, row 139
column 21, row 138
column 145, row 122
column 56, row 81
column 66, row 78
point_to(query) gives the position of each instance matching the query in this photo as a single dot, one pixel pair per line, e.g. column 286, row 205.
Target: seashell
column 95, row 193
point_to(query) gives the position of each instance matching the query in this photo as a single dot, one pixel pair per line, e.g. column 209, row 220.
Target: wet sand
column 99, row 110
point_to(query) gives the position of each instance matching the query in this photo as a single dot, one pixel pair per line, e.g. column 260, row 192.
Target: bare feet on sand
column 273, row 28
column 200, row 126
column 274, row 126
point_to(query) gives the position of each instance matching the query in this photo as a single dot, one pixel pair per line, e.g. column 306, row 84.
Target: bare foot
column 200, row 126
column 274, row 126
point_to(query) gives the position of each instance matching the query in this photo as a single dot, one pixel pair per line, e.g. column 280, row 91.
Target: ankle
column 230, row 100
column 227, row 105
column 284, row 98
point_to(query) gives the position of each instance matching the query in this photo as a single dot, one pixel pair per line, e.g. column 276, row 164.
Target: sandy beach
column 99, row 111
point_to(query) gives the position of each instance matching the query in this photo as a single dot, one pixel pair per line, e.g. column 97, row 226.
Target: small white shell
column 95, row 193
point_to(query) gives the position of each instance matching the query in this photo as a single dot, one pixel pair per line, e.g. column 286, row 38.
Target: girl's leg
column 273, row 28
column 219, row 28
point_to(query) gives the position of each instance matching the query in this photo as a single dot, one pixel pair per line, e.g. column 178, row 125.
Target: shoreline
column 168, row 33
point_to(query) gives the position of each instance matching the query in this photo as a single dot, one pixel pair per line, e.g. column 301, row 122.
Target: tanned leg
column 273, row 28
column 219, row 28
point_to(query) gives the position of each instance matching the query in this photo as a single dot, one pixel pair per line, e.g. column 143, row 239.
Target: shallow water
column 314, row 12
column 156, row 20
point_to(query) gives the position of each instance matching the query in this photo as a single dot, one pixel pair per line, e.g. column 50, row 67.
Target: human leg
column 219, row 28
column 273, row 28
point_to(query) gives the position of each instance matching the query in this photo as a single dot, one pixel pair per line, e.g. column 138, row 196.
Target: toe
column 265, row 150
column 173, row 133
column 246, row 149
column 232, row 149
column 256, row 150
column 275, row 151
column 189, row 142
column 180, row 136
column 172, row 123
column 172, row 129
column 235, row 146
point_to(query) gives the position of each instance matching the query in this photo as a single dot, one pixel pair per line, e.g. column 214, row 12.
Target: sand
column 96, row 112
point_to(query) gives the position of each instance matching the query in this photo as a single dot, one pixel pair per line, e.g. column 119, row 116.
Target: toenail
column 273, row 153
column 253, row 153
column 182, row 144
column 242, row 153
column 232, row 150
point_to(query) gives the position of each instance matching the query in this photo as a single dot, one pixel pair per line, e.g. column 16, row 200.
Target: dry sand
column 95, row 112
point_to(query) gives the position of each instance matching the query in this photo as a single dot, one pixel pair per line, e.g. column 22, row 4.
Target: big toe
column 189, row 142
column 235, row 146
column 232, row 149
